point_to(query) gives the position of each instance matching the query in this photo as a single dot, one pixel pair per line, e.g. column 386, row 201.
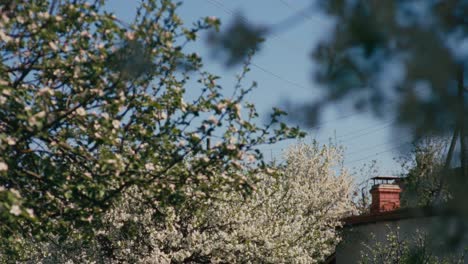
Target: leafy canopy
column 404, row 58
column 92, row 106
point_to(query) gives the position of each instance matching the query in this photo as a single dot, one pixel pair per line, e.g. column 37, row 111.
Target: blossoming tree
column 92, row 107
column 290, row 218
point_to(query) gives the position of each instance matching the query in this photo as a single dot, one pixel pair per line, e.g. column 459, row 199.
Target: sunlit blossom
column 15, row 210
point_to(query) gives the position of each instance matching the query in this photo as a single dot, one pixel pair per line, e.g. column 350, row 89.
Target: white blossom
column 213, row 120
column 130, row 35
column 85, row 34
column 181, row 143
column 11, row 141
column 196, row 136
column 4, row 37
column 53, row 46
column 231, row 147
column 116, row 123
column 80, row 111
column 237, row 108
column 105, row 116
column 161, row 115
column 46, row 90
column 221, row 106
column 43, row 15
column 15, row 210
column 3, row 166
column 149, row 166
column 30, row 212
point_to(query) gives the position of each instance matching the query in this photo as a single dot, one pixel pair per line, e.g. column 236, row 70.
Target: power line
column 372, row 147
column 228, row 11
column 321, row 124
column 387, row 124
column 219, row 5
column 303, row 14
column 356, row 152
column 378, row 153
column 286, row 4
column 367, row 133
column 263, row 69
column 278, row 76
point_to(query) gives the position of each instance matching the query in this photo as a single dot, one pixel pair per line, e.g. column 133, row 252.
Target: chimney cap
column 384, row 179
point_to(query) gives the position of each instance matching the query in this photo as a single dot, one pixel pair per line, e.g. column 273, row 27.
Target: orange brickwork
column 385, row 197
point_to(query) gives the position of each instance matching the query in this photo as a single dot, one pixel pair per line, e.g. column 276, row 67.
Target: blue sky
column 283, row 69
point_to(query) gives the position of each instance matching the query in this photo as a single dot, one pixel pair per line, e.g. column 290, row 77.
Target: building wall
column 355, row 238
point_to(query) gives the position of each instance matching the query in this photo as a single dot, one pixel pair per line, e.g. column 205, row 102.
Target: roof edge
column 395, row 215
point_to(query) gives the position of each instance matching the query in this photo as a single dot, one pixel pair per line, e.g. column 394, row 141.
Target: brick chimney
column 385, row 194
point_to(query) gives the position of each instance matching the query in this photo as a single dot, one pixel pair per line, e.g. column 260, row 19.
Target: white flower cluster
column 290, row 218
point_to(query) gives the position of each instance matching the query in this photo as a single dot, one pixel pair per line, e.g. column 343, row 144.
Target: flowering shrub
column 417, row 247
column 93, row 108
column 289, row 218
column 423, row 169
